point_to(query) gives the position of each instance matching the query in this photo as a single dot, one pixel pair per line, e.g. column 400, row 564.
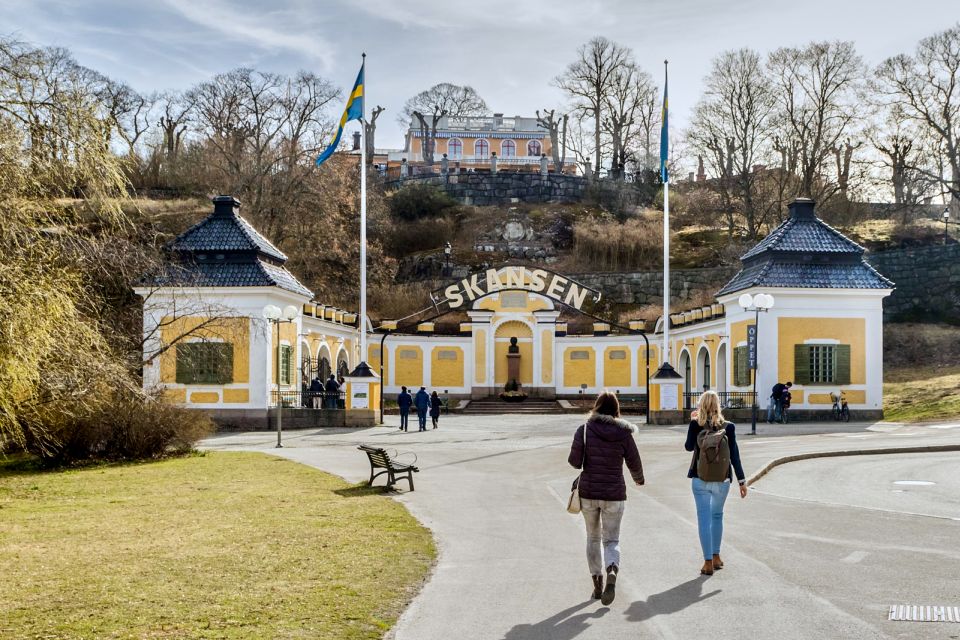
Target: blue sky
column 506, row 49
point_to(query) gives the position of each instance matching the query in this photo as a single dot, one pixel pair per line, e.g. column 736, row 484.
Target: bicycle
column 841, row 412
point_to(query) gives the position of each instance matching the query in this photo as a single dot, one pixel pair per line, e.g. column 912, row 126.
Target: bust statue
column 513, row 348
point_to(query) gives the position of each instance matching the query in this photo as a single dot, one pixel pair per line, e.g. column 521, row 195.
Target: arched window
column 454, row 148
column 508, row 149
column 481, row 148
column 534, row 148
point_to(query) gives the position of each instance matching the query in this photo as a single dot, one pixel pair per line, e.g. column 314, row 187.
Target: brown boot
column 610, row 591
column 717, row 562
column 597, row 587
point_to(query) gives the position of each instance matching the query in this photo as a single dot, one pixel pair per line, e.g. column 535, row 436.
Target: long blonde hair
column 708, row 410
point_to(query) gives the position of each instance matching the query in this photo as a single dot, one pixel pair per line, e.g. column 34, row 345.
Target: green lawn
column 222, row 545
column 917, row 393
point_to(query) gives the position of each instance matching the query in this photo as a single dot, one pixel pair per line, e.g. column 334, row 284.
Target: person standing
column 404, row 400
column 600, row 448
column 332, row 392
column 714, row 445
column 316, row 392
column 422, row 402
column 776, row 401
column 435, row 405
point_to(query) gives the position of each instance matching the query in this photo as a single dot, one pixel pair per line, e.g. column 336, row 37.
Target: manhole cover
column 923, row 613
column 914, row 483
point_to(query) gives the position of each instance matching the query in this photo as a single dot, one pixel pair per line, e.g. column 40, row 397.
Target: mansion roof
column 804, row 252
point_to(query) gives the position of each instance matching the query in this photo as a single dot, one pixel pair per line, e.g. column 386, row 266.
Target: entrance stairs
column 496, row 406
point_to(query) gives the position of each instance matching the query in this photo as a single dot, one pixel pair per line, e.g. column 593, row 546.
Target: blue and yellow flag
column 664, row 136
column 353, row 111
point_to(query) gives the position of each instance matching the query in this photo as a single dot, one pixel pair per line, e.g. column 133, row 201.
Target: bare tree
column 589, row 80
column 817, row 100
column 926, row 87
column 629, row 119
column 371, row 131
column 440, row 100
column 732, row 126
column 175, row 108
column 557, row 129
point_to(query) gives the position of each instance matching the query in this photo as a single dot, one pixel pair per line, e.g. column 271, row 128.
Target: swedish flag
column 353, row 111
column 664, row 136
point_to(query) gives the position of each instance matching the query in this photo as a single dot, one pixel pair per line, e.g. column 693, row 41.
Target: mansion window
column 481, row 148
column 508, row 149
column 822, row 363
column 534, row 148
column 455, row 148
column 204, row 362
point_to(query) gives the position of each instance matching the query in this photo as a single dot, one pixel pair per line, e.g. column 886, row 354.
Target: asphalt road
column 820, row 549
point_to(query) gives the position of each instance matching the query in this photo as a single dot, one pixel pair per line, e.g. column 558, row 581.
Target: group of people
column 779, row 402
column 327, row 393
column 424, row 403
column 605, row 442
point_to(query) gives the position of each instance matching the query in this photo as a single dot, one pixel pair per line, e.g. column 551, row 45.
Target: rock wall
column 646, row 287
column 927, row 283
column 484, row 189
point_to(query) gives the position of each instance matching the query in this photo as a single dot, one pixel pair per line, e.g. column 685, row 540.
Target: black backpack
column 713, row 462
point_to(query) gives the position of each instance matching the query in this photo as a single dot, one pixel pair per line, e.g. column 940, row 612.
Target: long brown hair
column 607, row 404
column 708, row 410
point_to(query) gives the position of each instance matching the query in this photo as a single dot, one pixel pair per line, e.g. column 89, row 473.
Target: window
column 409, row 354
column 534, row 148
column 446, row 354
column 204, row 363
column 481, row 148
column 455, row 148
column 580, row 355
column 508, row 149
column 822, row 364
column 619, row 354
column 286, row 364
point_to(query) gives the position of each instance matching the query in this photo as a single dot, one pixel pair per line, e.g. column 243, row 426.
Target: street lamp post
column 756, row 303
column 277, row 316
column 946, row 221
column 447, row 250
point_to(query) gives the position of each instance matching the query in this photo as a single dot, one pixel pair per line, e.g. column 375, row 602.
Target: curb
column 776, row 462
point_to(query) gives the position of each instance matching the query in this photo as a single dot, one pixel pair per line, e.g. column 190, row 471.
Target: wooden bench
column 380, row 459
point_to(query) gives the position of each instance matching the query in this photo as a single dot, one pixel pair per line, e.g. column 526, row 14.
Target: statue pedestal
column 513, row 367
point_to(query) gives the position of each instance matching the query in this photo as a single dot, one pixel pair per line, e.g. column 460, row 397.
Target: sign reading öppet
column 542, row 281
column 751, row 346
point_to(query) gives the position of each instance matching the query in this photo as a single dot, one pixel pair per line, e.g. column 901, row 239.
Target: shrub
column 611, row 246
column 418, row 201
column 401, row 238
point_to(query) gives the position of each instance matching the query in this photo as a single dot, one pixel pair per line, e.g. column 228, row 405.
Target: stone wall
column 927, row 283
column 483, row 189
column 646, row 287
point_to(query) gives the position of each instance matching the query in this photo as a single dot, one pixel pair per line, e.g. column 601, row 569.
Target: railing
column 309, row 399
column 728, row 399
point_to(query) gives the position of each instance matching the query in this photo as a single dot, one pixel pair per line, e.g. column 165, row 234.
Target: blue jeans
column 422, row 419
column 773, row 410
column 709, row 497
column 404, row 418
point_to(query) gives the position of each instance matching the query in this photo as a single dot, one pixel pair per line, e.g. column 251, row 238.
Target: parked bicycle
column 841, row 412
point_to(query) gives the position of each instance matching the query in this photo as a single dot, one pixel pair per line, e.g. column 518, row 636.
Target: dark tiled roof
column 238, row 274
column 225, row 231
column 807, row 276
column 805, row 235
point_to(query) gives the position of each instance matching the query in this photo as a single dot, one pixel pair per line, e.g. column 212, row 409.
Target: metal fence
column 728, row 399
column 309, row 399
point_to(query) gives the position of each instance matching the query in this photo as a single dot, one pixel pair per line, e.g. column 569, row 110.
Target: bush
column 611, row 246
column 130, row 426
column 418, row 201
column 401, row 238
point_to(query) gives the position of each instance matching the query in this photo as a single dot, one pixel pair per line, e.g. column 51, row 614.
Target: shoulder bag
column 573, row 504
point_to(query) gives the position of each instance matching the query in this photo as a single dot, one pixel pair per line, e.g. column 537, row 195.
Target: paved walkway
column 800, row 563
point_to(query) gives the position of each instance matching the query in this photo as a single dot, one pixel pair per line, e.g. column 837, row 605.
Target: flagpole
column 666, row 242
column 363, row 215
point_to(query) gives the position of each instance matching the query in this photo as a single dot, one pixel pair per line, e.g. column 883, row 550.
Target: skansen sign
column 547, row 283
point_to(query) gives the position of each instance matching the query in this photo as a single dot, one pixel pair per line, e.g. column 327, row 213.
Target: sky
column 508, row 50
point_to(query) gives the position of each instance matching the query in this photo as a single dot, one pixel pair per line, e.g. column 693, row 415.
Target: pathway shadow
column 670, row 601
column 560, row 626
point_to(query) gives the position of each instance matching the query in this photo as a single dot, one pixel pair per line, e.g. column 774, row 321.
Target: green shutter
column 801, row 364
column 842, row 364
column 286, row 364
column 741, row 368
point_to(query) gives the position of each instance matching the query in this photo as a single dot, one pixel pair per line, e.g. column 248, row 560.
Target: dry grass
column 225, row 545
column 612, row 246
column 916, row 394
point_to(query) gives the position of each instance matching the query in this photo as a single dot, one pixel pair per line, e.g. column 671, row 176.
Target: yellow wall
column 501, row 346
column 470, row 150
column 616, row 373
column 577, row 372
column 204, row 397
column 236, row 396
column 546, row 356
column 233, row 330
column 446, row 373
column 288, row 334
column 738, row 334
column 794, row 331
column 641, row 363
column 409, row 371
column 176, row 396
column 373, row 359
column 853, row 396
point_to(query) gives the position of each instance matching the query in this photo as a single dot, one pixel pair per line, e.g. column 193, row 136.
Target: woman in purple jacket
column 600, row 447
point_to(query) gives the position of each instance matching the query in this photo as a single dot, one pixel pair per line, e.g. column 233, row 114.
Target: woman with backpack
column 714, row 445
column 600, row 447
